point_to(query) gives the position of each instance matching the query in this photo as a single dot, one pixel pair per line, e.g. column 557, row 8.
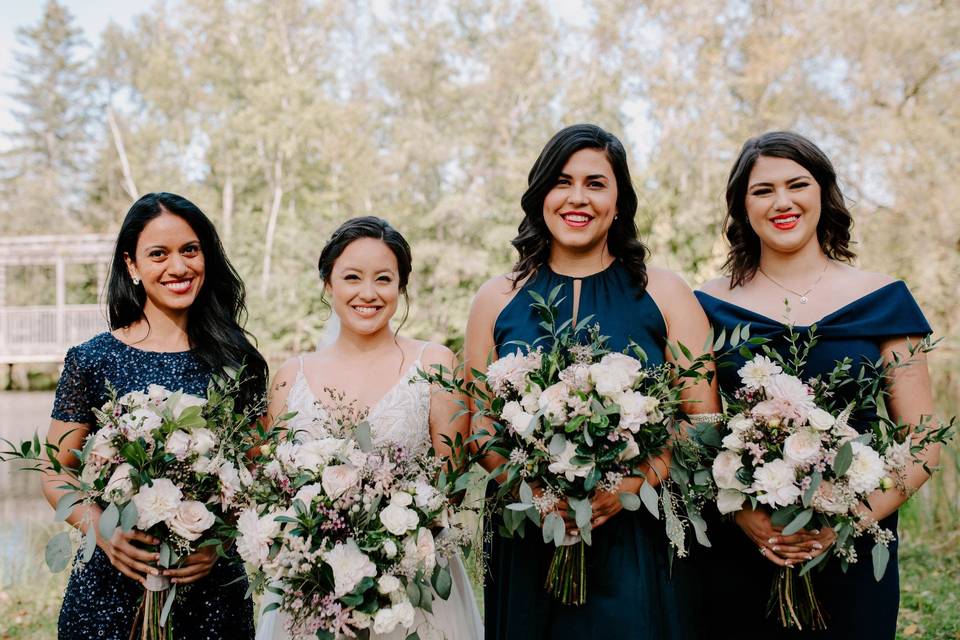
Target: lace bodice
column 402, row 415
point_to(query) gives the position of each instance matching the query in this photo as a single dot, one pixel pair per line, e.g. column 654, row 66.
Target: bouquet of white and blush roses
column 788, row 447
column 342, row 530
column 573, row 419
column 169, row 464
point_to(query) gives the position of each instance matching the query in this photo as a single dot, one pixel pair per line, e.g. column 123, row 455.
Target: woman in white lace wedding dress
column 364, row 268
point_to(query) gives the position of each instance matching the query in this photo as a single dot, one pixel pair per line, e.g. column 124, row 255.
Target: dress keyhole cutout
column 577, row 282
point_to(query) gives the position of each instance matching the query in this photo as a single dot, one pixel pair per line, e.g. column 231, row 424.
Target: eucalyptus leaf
column 108, row 521
column 89, row 544
column 129, row 516
column 65, row 505
column 526, row 493
column 699, row 529
column 650, row 499
column 442, row 581
column 843, row 460
column 881, row 556
column 362, row 435
column 810, row 564
column 58, row 551
column 798, row 522
column 167, row 605
column 557, row 444
column 630, row 501
column 815, row 480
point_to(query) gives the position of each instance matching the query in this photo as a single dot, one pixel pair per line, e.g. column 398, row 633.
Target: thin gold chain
column 802, row 296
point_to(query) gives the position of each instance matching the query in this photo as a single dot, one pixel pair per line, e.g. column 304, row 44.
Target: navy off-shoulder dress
column 101, row 602
column 855, row 604
column 631, row 592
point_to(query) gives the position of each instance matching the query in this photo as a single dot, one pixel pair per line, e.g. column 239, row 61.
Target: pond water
column 26, row 520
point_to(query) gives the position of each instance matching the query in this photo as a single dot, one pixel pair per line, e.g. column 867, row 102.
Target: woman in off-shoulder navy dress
column 174, row 303
column 789, row 233
column 579, row 234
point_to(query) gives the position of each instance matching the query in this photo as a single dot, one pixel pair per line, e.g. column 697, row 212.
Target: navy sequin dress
column 101, row 602
column 631, row 593
column 855, row 604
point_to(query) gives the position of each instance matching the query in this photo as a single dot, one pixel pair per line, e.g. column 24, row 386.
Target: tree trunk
column 272, row 223
column 128, row 184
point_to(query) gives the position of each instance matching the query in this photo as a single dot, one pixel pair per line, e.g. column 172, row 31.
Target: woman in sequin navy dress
column 579, row 233
column 789, row 232
column 175, row 305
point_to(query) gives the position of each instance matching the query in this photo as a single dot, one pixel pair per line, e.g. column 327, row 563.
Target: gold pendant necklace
column 802, row 296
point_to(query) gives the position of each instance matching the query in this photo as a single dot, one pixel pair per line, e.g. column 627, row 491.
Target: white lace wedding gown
column 402, row 416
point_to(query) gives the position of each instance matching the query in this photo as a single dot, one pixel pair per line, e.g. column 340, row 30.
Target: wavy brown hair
column 533, row 237
column 833, row 230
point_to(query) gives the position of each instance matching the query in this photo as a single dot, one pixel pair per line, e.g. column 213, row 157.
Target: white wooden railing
column 43, row 334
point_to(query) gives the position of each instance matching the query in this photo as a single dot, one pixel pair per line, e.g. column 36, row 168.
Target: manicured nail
column 776, row 548
column 772, row 540
column 815, row 532
column 817, row 545
column 809, row 557
column 155, row 572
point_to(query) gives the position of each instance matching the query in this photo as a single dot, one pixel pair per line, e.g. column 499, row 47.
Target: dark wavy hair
column 833, row 230
column 378, row 229
column 533, row 237
column 217, row 315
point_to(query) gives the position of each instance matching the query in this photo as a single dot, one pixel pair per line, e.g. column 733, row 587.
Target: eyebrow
column 592, row 176
column 788, row 181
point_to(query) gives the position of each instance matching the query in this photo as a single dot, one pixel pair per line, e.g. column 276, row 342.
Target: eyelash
column 795, row 185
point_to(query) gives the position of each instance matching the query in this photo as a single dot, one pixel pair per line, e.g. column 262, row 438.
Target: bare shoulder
column 860, row 282
column 492, row 297
column 434, row 353
column 717, row 287
column 287, row 371
column 668, row 288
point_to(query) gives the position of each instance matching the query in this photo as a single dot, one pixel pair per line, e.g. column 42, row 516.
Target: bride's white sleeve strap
column 423, row 349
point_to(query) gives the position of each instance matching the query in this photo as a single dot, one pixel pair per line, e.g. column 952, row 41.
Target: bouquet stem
column 795, row 602
column 567, row 577
column 153, row 626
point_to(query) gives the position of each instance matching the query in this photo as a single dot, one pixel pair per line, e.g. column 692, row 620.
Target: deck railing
column 43, row 334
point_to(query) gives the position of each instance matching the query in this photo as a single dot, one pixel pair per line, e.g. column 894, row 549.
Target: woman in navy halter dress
column 633, row 592
column 774, row 194
column 175, row 305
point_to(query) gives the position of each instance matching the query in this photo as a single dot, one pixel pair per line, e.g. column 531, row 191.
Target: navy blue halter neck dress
column 855, row 604
column 631, row 594
column 100, row 602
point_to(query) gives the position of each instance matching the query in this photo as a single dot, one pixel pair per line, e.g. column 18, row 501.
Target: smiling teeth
column 577, row 218
column 178, row 287
column 366, row 309
column 786, row 220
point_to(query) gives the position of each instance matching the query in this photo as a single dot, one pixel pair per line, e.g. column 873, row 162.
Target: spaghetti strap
column 422, row 349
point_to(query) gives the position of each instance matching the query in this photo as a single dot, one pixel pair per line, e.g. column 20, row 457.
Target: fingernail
column 776, row 548
column 815, row 532
column 817, row 545
column 809, row 557
column 155, row 572
column 772, row 540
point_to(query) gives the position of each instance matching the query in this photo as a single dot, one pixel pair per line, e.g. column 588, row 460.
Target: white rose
column 204, row 465
column 184, row 401
column 511, row 371
column 829, row 499
column 191, row 519
column 385, row 620
column 725, row 467
column 420, row 551
column 349, row 565
column 315, row 454
column 389, row 548
column 102, row 448
column 427, row 497
column 398, row 520
column 339, row 478
column 755, row 373
column 179, row 444
column 156, row 503
column 255, row 535
column 820, row 420
column 563, row 463
column 866, row 470
column 401, row 498
column 120, row 487
column 553, row 402
column 627, row 365
column 139, row 424
column 203, row 440
column 286, row 454
column 530, row 397
column 229, row 482
column 157, row 393
column 733, row 441
column 360, row 620
column 740, row 423
column 730, row 500
column 776, row 484
column 577, row 376
column 802, row 447
column 637, row 410
column 609, row 380
column 631, row 452
column 308, row 492
column 521, row 422
column 387, row 584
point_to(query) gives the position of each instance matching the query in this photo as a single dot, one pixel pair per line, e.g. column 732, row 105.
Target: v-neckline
column 374, row 407
column 823, row 319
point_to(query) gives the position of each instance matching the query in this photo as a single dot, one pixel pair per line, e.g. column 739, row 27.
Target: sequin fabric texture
column 100, row 602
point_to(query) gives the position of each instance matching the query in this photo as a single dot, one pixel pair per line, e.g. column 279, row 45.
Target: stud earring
column 136, row 280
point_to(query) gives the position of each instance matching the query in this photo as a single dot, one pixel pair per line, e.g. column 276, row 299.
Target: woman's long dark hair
column 833, row 230
column 378, row 229
column 533, row 237
column 215, row 322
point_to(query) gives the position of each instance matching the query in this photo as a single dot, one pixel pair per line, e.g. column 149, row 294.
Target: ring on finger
column 763, row 551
